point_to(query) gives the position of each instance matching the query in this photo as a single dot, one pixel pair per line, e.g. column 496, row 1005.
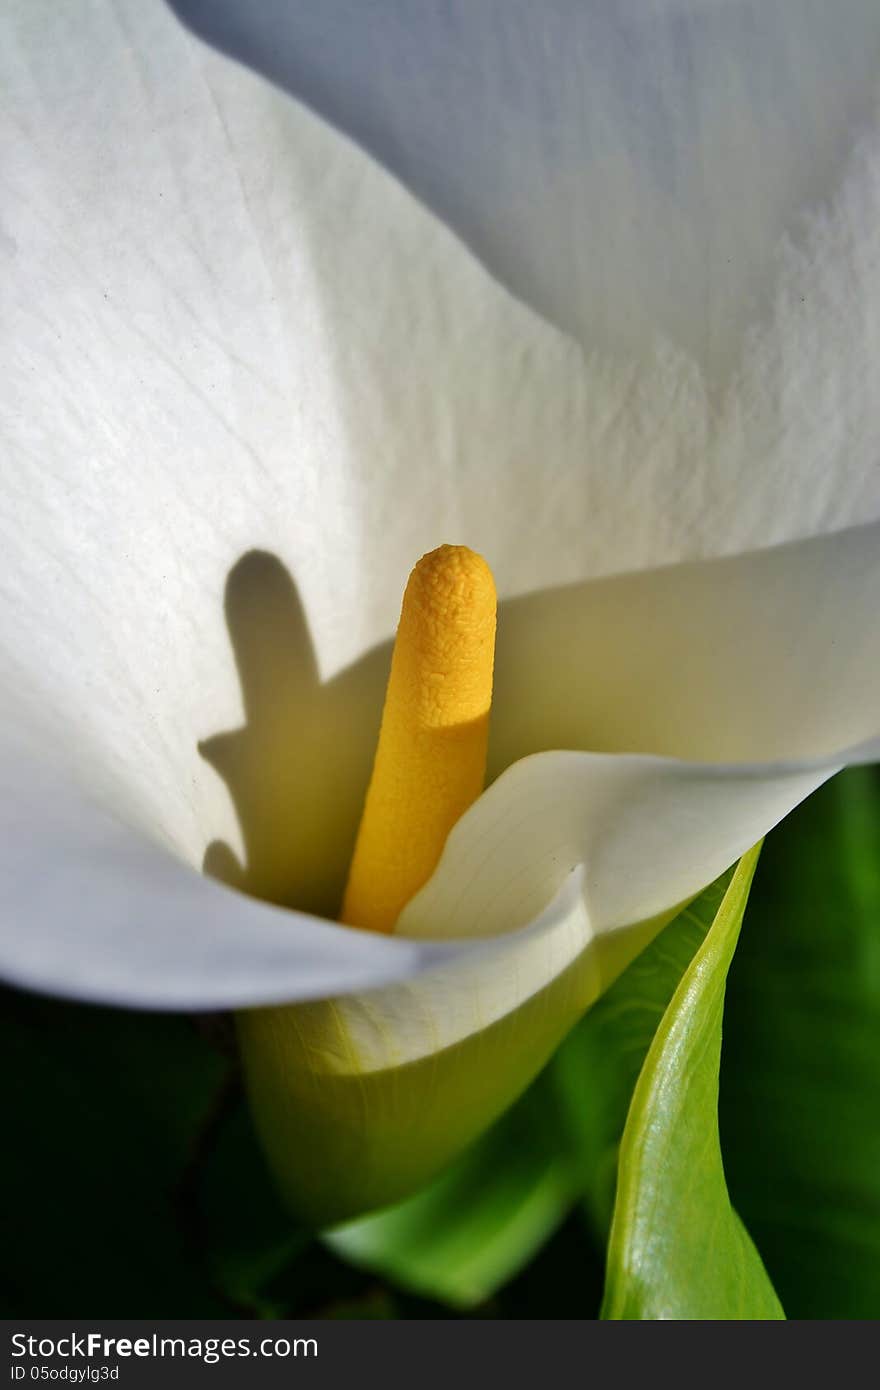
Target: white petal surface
column 769, row 656
column 626, row 168
column 91, row 908
column 238, row 359
column 778, row 658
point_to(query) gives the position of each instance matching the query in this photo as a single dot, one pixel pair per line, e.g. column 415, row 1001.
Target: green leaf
column 474, row 1228
column 677, row 1248
column 596, row 1069
column 800, row 1080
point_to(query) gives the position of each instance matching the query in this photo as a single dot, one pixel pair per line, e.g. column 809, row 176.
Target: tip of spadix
column 453, row 575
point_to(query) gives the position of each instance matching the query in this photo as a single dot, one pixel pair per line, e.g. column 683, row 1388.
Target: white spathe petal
column 565, row 851
column 768, row 656
column 225, row 332
column 627, row 168
column 92, row 909
column 772, row 655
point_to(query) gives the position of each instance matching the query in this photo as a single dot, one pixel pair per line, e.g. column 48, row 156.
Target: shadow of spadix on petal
column 298, row 767
column 629, row 664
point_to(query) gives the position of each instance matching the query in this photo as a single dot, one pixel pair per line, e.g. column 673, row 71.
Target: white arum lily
column 248, row 379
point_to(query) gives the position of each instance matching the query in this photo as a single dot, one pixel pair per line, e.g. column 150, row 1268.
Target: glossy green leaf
column 474, row 1228
column 800, row 1079
column 596, row 1069
column 677, row 1248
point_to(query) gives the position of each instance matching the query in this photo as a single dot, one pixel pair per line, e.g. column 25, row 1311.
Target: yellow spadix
column 431, row 757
